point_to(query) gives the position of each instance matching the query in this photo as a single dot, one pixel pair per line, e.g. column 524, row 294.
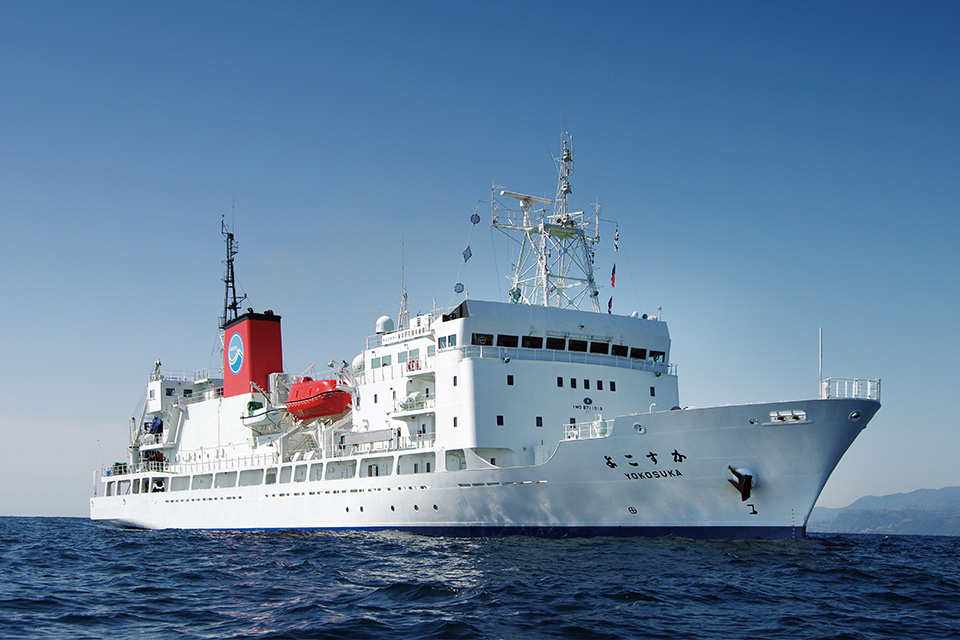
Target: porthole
column 348, row 509
column 855, row 416
column 435, row 508
column 416, row 508
column 754, row 421
column 639, row 428
column 361, row 509
column 392, row 508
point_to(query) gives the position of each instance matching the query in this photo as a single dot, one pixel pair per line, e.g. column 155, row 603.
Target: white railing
column 584, row 430
column 144, row 467
column 406, row 443
column 850, row 388
column 551, row 355
column 425, row 364
column 415, row 404
column 419, row 326
column 148, row 439
column 183, row 399
column 193, row 466
column 186, row 376
column 412, row 367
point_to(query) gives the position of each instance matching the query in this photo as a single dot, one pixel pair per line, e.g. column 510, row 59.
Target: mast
column 230, row 301
column 555, row 264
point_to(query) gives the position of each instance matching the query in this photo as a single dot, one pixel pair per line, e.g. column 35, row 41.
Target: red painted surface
column 262, row 352
column 316, row 398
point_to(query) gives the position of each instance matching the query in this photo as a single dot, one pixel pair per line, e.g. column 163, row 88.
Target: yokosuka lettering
column 653, row 475
column 652, row 459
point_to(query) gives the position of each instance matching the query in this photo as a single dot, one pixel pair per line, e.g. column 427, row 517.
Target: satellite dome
column 384, row 325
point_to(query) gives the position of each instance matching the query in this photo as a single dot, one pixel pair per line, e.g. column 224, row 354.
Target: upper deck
column 481, row 329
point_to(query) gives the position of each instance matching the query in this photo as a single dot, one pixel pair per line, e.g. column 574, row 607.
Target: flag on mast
column 613, row 276
column 616, row 241
column 610, row 305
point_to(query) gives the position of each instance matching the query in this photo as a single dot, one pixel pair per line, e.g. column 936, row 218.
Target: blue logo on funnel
column 235, row 353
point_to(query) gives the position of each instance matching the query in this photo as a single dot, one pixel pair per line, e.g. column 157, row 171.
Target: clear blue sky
column 774, row 168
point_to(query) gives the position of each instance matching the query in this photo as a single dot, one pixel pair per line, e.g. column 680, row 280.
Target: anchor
column 743, row 483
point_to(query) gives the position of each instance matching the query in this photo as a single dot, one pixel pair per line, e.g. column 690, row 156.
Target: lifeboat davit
column 311, row 398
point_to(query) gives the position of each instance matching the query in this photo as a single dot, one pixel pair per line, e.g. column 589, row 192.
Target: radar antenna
column 230, row 301
column 555, row 264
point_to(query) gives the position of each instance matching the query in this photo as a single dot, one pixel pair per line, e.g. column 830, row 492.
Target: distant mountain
column 932, row 512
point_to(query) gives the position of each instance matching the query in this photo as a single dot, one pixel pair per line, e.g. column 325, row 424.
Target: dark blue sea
column 71, row 578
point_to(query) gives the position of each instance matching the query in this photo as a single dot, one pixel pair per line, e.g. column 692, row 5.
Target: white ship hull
column 488, row 418
column 605, row 485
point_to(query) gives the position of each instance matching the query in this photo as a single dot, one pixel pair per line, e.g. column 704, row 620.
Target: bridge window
column 577, row 345
column 507, row 341
column 619, row 350
column 483, row 339
column 556, row 343
column 658, row 356
column 640, row 354
column 599, row 347
column 442, row 342
column 531, row 342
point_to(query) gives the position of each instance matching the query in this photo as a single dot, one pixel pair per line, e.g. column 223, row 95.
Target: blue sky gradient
column 773, row 168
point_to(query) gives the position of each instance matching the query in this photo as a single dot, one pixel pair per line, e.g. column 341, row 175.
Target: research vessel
column 545, row 414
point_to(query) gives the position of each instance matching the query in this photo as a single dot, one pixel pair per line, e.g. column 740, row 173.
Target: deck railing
column 584, row 430
column 186, row 376
column 415, row 404
column 412, row 367
column 384, row 446
column 405, row 444
column 864, row 389
column 550, row 355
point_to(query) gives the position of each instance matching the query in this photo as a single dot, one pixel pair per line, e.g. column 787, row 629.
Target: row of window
column 538, row 422
column 573, row 383
column 586, row 383
column 565, row 344
column 251, row 477
column 412, row 355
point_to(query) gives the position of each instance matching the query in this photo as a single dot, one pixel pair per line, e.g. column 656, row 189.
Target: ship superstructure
column 532, row 416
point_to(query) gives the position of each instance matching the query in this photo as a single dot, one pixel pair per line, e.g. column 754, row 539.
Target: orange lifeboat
column 316, row 398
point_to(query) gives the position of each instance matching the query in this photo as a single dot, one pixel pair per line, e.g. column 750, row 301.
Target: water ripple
column 71, row 578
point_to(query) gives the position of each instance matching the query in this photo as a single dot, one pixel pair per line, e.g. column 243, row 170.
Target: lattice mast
column 554, row 267
column 231, row 303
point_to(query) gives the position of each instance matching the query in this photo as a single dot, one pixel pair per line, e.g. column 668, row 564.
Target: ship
column 544, row 414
